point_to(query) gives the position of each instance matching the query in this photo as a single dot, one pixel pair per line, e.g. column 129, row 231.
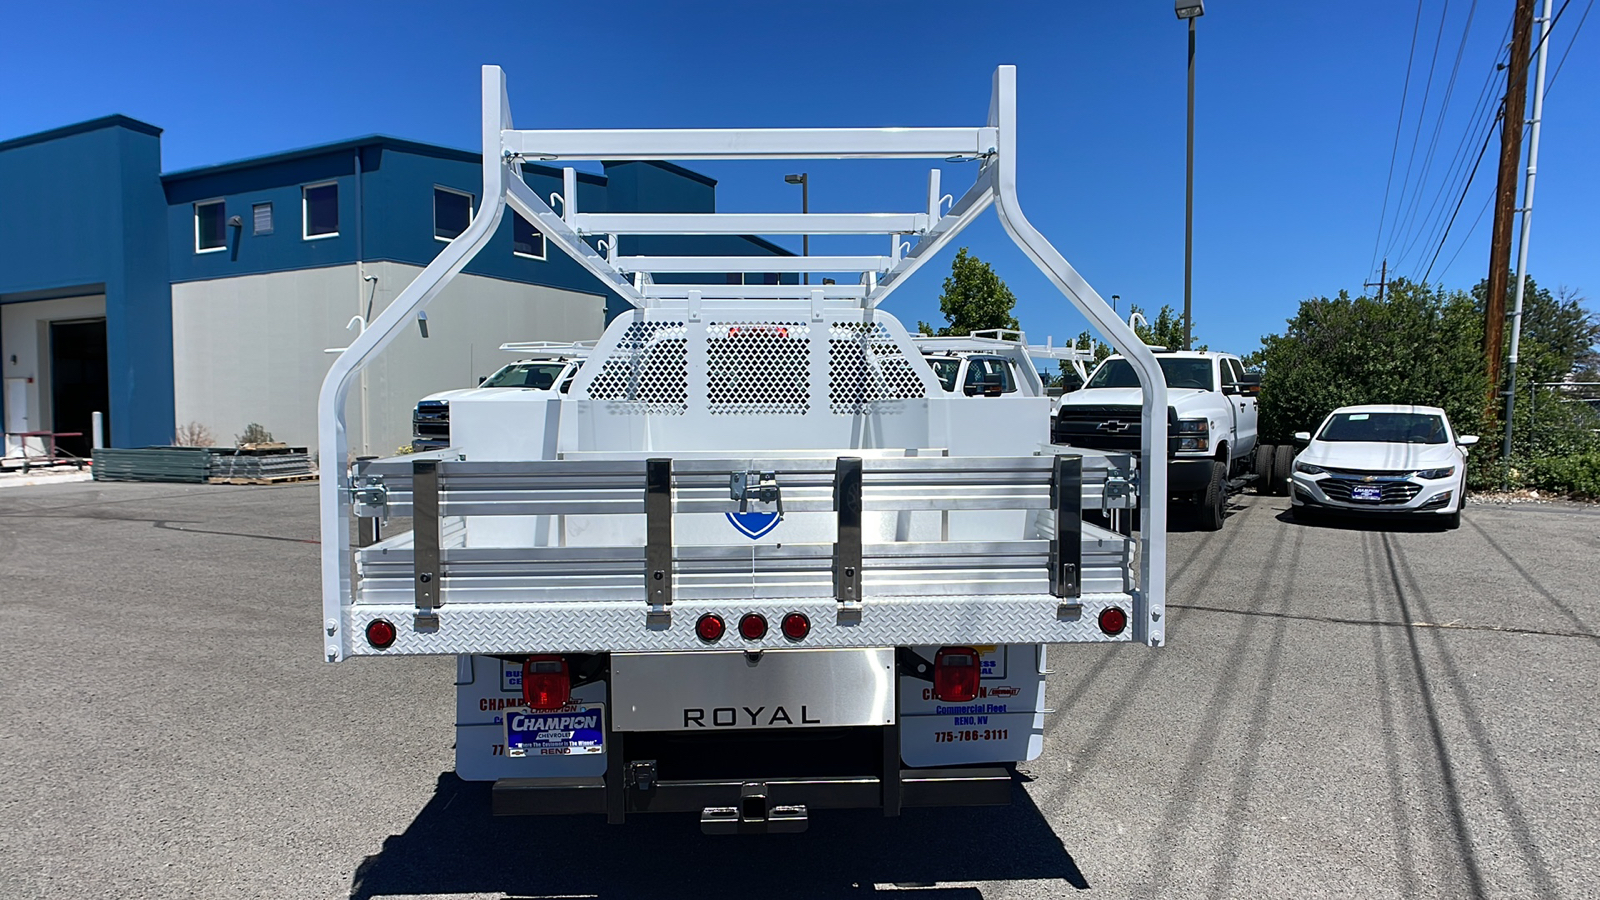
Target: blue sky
column 1297, row 106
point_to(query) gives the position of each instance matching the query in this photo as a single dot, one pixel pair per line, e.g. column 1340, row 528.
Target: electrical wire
column 1481, row 151
column 1422, row 111
column 1405, row 89
column 1467, row 239
column 1412, row 227
column 1575, row 29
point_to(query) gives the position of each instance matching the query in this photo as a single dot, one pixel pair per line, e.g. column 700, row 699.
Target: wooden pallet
column 275, row 479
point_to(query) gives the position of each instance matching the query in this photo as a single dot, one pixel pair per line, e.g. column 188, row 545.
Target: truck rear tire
column 1282, row 464
column 1263, row 469
column 1213, row 505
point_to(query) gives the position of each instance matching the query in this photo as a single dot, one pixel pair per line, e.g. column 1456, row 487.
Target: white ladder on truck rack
column 913, row 238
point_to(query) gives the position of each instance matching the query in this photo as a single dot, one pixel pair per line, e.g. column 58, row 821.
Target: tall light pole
column 805, row 207
column 1191, row 10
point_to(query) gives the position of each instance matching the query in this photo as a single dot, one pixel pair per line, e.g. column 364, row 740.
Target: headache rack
column 904, row 560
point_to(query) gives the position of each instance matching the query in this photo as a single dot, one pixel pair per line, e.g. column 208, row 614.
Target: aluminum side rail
column 992, row 143
column 1047, row 583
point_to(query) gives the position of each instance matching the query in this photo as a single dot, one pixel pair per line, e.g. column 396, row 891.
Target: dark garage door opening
column 79, row 381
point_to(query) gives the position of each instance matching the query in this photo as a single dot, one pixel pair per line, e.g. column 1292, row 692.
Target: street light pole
column 805, row 207
column 1191, row 10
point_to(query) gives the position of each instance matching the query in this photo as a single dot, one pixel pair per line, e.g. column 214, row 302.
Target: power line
column 1405, row 89
column 1444, row 237
column 1410, row 239
column 1458, row 175
column 1575, row 29
column 1467, row 239
column 1482, row 117
column 1486, row 139
column 1427, row 91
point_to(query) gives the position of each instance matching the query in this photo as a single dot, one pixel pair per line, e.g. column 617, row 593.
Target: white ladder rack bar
column 755, row 291
column 750, row 223
column 978, row 198
column 753, row 263
column 750, row 143
column 532, row 207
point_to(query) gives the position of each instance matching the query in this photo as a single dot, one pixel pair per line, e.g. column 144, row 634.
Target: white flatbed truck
column 756, row 562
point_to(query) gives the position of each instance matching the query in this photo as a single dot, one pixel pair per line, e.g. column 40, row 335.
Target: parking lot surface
column 1341, row 710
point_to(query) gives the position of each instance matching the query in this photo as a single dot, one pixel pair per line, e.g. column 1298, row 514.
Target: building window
column 210, row 226
column 261, row 216
column 320, row 210
column 526, row 239
column 452, row 210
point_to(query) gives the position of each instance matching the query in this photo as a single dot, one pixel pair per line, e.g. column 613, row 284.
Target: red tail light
column 380, row 633
column 753, row 626
column 710, row 628
column 546, row 683
column 1113, row 620
column 955, row 674
column 796, row 626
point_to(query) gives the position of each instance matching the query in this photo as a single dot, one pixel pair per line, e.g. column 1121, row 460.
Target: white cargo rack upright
column 992, row 144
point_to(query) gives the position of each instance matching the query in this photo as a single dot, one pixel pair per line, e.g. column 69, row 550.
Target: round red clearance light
column 710, row 627
column 796, row 626
column 1113, row 620
column 753, row 626
column 380, row 633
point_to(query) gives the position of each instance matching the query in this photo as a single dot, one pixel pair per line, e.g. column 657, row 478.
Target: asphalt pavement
column 1354, row 711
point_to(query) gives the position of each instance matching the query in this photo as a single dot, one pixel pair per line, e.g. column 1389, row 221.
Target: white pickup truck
column 1211, row 414
column 546, row 366
column 757, row 561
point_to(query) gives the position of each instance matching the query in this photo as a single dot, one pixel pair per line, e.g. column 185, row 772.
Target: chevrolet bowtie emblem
column 1114, row 426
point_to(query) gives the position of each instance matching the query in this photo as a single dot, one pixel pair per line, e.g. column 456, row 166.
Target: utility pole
column 1505, row 194
column 1383, row 279
column 1527, row 228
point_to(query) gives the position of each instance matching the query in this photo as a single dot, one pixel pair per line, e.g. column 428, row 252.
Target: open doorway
column 79, row 381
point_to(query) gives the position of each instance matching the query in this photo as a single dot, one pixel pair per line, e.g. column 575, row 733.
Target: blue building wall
column 85, row 210
column 83, row 213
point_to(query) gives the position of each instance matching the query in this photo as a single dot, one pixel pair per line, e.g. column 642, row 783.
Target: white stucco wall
column 251, row 349
column 25, row 335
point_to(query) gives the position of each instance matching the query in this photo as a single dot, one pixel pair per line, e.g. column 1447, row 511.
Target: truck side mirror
column 1250, row 384
column 1466, row 440
column 1303, row 437
column 482, row 378
column 988, row 384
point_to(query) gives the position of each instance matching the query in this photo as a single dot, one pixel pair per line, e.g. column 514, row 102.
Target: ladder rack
column 913, row 237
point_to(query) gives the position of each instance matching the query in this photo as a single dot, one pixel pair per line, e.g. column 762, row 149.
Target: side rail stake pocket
column 425, row 542
column 847, row 545
column 658, row 542
column 1066, row 547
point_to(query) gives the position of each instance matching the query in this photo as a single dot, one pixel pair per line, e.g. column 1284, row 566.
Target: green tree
column 1558, row 334
column 1166, row 331
column 1419, row 345
column 974, row 298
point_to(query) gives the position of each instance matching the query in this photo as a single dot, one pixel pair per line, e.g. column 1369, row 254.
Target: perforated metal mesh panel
column 647, row 371
column 866, row 366
column 758, row 368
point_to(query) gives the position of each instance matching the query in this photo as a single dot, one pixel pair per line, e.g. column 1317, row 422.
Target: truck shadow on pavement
column 455, row 846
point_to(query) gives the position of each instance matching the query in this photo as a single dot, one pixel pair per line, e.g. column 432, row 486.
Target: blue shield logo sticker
column 753, row 525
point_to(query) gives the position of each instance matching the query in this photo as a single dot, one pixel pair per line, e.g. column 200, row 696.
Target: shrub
column 193, row 435
column 253, row 434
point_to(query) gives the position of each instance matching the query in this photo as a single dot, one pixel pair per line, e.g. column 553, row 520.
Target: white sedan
column 1383, row 459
